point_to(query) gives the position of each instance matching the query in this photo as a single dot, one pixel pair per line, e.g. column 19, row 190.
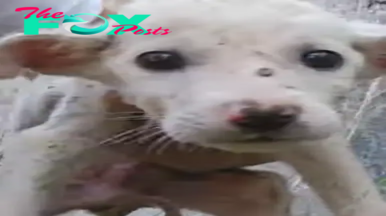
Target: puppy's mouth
column 256, row 139
column 259, row 138
column 266, row 138
column 273, row 140
column 231, row 137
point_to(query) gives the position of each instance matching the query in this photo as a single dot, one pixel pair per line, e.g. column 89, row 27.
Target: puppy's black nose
column 258, row 120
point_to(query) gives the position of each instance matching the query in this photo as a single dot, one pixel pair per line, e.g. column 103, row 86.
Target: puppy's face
column 256, row 75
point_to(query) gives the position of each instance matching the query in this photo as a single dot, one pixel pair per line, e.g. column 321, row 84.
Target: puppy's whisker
column 164, row 146
column 132, row 137
column 152, row 147
column 175, row 136
column 150, row 136
column 163, row 142
column 124, row 134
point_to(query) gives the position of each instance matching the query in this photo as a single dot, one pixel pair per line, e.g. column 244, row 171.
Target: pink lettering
column 44, row 13
column 34, row 10
column 123, row 26
column 140, row 31
column 166, row 31
column 57, row 15
column 148, row 31
column 156, row 31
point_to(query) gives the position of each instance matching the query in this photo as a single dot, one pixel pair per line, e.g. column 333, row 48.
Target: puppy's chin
column 234, row 140
column 243, row 143
column 262, row 145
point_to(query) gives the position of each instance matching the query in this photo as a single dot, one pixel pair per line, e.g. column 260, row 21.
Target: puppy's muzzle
column 256, row 119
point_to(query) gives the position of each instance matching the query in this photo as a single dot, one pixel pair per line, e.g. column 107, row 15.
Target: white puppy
column 244, row 76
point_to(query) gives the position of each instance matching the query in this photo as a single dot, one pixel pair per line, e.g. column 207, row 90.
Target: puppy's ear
column 53, row 54
column 371, row 41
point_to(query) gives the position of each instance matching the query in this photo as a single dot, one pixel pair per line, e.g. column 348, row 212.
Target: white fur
column 225, row 43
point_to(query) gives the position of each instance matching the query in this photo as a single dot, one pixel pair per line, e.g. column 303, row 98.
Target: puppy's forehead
column 250, row 21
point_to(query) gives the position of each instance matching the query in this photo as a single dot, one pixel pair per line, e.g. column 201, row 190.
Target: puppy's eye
column 322, row 59
column 161, row 60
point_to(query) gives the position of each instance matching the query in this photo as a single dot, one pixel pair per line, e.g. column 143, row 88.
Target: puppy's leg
column 31, row 110
column 333, row 170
